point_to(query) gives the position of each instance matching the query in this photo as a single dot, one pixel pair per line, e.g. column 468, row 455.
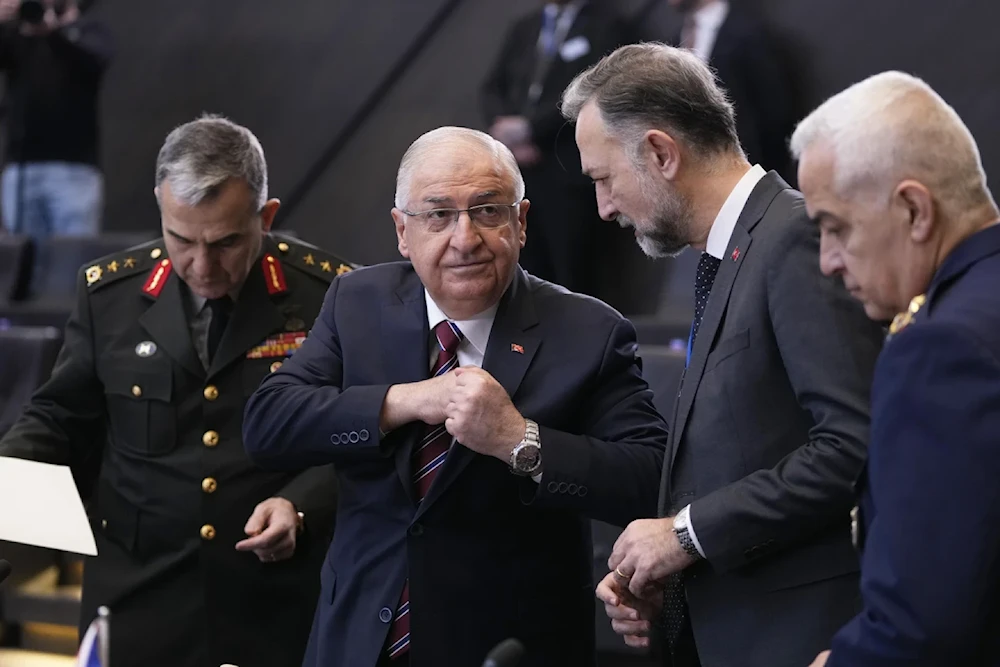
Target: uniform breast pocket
column 143, row 417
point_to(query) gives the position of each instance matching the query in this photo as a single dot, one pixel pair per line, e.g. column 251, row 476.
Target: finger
column 639, row 581
column 636, row 628
column 621, row 612
column 619, row 551
column 606, row 591
column 258, row 520
column 637, row 642
column 268, row 541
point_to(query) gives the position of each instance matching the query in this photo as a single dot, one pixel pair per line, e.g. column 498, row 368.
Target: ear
column 267, row 214
column 399, row 219
column 664, row 151
column 918, row 201
column 522, row 221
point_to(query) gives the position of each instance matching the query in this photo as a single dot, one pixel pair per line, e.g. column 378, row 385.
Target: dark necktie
column 428, row 458
column 217, row 326
column 708, row 267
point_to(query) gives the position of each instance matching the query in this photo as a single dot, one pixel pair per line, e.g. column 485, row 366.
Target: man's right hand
column 424, row 401
column 631, row 617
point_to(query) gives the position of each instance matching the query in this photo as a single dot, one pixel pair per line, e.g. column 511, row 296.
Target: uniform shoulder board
column 310, row 259
column 137, row 260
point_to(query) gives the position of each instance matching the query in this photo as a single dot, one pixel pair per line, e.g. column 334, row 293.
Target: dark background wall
column 302, row 74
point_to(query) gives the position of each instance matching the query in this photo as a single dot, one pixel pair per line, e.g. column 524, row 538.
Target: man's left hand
column 481, row 416
column 647, row 552
column 272, row 529
column 820, row 660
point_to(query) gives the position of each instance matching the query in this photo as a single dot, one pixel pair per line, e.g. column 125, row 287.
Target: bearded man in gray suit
column 750, row 562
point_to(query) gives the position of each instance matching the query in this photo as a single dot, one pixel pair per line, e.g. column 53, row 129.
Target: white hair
column 419, row 149
column 893, row 126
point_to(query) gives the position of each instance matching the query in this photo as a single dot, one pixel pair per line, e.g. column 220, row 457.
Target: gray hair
column 418, row 150
column 199, row 157
column 893, row 126
column 654, row 86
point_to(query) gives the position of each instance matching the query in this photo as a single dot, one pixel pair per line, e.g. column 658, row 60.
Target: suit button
column 208, row 532
column 355, row 437
column 583, row 492
column 573, row 488
column 211, row 392
column 335, row 439
column 210, row 439
column 563, row 487
column 275, row 366
column 553, row 487
column 209, row 485
column 417, row 529
column 104, row 524
column 385, row 615
column 364, row 435
column 344, row 438
column 136, row 390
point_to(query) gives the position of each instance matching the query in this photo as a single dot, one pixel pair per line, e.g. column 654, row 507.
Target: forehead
column 596, row 144
column 457, row 171
column 229, row 211
column 816, row 174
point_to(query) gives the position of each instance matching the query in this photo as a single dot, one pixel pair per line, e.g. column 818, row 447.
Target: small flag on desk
column 94, row 647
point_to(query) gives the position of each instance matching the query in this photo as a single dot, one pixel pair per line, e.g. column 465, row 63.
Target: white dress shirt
column 707, row 22
column 718, row 242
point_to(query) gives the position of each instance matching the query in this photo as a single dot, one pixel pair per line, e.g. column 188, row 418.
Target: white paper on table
column 40, row 506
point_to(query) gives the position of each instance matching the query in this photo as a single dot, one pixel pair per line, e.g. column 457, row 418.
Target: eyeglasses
column 484, row 216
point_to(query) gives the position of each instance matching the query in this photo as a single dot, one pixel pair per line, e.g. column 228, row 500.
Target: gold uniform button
column 210, row 439
column 211, row 392
column 283, row 247
column 155, row 253
column 208, row 532
column 136, row 390
column 275, row 366
column 209, row 485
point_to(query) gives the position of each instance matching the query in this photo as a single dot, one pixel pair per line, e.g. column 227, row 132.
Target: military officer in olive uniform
column 203, row 558
column 895, row 180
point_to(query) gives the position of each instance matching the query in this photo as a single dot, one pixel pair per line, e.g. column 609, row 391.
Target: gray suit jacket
column 769, row 432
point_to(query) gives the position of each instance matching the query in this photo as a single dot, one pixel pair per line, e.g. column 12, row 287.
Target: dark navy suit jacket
column 930, row 511
column 488, row 555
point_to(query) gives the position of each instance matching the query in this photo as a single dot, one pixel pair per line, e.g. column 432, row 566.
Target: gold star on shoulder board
column 309, row 259
column 904, row 319
column 113, row 267
column 129, row 262
column 326, row 266
column 93, row 274
column 342, row 269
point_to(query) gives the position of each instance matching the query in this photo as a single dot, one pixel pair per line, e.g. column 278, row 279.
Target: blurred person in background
column 54, row 58
column 541, row 54
column 735, row 40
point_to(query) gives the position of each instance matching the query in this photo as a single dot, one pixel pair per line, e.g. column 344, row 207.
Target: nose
column 202, row 263
column 605, row 208
column 831, row 260
column 465, row 236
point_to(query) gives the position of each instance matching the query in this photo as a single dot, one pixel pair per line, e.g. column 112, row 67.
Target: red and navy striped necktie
column 428, row 458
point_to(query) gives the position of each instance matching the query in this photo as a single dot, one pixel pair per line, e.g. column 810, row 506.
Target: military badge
column 280, row 345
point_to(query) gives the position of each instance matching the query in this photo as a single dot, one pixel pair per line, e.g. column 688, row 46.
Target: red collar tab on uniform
column 157, row 278
column 274, row 275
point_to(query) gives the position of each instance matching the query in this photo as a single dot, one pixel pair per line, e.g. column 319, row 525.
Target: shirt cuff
column 694, row 537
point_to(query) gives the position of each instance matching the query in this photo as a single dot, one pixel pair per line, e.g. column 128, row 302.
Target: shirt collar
column 711, row 15
column 729, row 214
column 476, row 329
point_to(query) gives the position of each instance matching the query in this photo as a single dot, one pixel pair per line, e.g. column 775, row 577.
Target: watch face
column 527, row 458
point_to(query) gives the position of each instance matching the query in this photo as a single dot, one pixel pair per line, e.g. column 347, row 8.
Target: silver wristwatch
column 526, row 457
column 682, row 528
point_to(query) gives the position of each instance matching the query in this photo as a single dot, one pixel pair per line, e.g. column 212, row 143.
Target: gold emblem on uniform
column 342, row 269
column 283, row 247
column 129, row 262
column 155, row 253
column 309, row 259
column 905, row 319
column 326, row 266
column 113, row 266
column 93, row 274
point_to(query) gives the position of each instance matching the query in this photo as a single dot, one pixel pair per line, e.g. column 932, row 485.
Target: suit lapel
column 406, row 355
column 255, row 317
column 715, row 310
column 508, row 356
column 167, row 322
